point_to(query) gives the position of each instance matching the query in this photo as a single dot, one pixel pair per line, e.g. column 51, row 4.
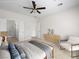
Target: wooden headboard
column 3, row 33
column 52, row 38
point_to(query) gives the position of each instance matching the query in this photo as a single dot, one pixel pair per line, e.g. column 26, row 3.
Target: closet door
column 11, row 27
column 21, row 31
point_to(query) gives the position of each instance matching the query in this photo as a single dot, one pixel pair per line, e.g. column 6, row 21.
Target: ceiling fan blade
column 31, row 11
column 41, row 8
column 27, row 8
column 39, row 12
column 34, row 5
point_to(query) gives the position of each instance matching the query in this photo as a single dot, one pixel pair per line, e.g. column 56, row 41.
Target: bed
column 71, row 45
column 32, row 49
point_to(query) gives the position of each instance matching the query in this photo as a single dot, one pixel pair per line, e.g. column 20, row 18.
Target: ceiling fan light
column 34, row 8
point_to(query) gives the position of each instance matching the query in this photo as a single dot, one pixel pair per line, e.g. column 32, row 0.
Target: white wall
column 3, row 26
column 38, row 28
column 63, row 23
column 26, row 31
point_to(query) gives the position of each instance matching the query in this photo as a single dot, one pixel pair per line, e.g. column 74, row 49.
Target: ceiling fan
column 35, row 8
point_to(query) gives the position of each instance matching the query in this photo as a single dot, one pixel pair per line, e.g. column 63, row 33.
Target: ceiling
column 51, row 6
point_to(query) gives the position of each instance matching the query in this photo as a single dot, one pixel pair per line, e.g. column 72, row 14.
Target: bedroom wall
column 63, row 23
column 3, row 25
column 25, row 25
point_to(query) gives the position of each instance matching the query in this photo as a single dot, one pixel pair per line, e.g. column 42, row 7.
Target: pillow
column 13, row 51
column 4, row 42
column 21, row 51
column 73, row 39
column 64, row 38
column 0, row 40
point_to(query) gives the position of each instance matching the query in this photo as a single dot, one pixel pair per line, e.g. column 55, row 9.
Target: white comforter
column 32, row 51
column 4, row 54
column 44, row 46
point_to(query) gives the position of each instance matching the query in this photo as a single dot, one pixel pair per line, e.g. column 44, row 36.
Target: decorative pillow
column 13, row 51
column 0, row 40
column 21, row 51
column 65, row 38
column 73, row 39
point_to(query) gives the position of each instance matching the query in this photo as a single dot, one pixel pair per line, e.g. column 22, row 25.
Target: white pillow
column 64, row 38
column 73, row 39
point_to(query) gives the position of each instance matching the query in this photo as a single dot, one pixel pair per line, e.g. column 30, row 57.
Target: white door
column 11, row 27
column 21, row 31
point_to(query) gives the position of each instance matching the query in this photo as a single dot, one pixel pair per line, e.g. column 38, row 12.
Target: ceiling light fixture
column 60, row 4
column 35, row 8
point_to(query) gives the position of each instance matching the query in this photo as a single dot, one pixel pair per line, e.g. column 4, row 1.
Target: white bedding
column 71, row 40
column 32, row 51
column 46, row 47
column 4, row 54
column 67, row 46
